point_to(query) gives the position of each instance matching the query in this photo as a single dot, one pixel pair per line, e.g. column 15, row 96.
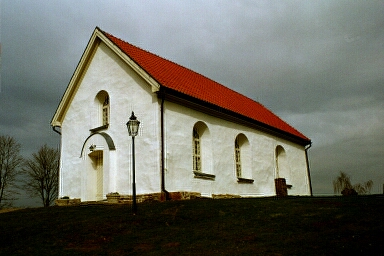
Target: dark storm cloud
column 317, row 64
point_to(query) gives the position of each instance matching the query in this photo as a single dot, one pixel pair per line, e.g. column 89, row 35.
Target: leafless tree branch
column 10, row 161
column 343, row 182
column 42, row 172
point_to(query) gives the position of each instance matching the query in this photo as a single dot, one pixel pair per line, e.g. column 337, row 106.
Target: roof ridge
column 142, row 49
column 189, row 69
column 175, row 63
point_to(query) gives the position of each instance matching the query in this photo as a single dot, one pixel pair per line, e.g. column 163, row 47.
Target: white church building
column 195, row 134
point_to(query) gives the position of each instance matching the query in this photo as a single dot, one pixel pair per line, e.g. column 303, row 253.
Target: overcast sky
column 319, row 65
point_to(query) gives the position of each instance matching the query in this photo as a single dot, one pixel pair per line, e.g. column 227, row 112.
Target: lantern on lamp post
column 133, row 128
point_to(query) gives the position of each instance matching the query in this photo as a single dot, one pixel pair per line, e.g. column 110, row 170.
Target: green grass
column 264, row 226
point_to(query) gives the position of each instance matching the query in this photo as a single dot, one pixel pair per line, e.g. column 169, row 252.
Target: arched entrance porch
column 98, row 172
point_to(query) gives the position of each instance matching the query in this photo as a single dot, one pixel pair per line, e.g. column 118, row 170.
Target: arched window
column 103, row 109
column 243, row 159
column 202, row 152
column 106, row 110
column 237, row 157
column 196, row 150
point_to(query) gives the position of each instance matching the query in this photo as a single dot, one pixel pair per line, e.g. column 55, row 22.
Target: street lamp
column 133, row 128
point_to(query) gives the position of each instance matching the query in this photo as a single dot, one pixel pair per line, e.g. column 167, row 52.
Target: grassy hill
column 264, row 226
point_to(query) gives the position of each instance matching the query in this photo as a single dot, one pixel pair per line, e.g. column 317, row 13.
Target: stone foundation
column 113, row 198
column 225, row 196
column 124, row 199
column 68, row 202
column 116, row 198
column 181, row 195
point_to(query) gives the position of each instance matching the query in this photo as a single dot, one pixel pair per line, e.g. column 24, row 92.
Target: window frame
column 242, row 141
column 196, row 151
column 238, row 158
column 101, row 113
column 201, row 152
column 105, row 109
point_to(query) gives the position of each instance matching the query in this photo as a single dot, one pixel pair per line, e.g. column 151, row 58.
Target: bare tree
column 368, row 186
column 42, row 174
column 10, row 161
column 343, row 184
column 364, row 188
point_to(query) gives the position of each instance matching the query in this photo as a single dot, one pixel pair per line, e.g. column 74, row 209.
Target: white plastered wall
column 127, row 92
column 179, row 174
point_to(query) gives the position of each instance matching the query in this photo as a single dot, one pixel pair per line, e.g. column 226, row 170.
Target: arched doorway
column 282, row 171
column 282, row 168
column 98, row 176
column 95, row 176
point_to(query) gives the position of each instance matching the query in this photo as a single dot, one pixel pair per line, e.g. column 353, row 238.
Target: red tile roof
column 183, row 80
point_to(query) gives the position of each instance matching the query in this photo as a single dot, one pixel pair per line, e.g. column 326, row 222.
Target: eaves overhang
column 219, row 112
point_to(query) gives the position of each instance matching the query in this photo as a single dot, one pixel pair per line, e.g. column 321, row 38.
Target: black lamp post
column 133, row 128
